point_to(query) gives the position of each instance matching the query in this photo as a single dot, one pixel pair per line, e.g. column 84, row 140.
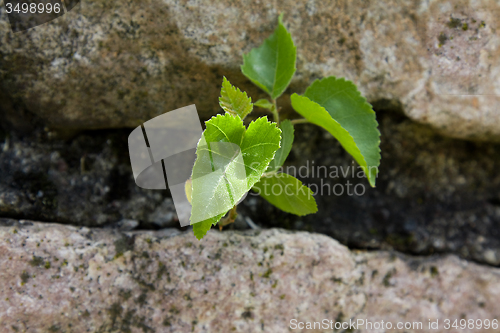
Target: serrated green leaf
column 286, row 145
column 234, row 101
column 264, row 103
column 287, row 193
column 342, row 100
column 230, row 160
column 224, row 128
column 260, row 143
column 271, row 66
column 360, row 138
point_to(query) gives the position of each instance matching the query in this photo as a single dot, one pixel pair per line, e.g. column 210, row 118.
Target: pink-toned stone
column 65, row 279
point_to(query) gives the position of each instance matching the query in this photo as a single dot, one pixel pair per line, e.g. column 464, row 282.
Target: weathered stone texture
column 118, row 63
column 67, row 279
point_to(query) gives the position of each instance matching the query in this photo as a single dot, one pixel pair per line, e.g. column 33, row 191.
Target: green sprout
column 335, row 104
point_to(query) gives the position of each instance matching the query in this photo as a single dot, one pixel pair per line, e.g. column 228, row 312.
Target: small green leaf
column 337, row 106
column 224, row 128
column 286, row 145
column 230, row 160
column 287, row 193
column 234, row 101
column 188, row 188
column 264, row 103
column 271, row 66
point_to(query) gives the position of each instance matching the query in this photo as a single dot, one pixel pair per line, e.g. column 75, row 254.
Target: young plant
column 233, row 159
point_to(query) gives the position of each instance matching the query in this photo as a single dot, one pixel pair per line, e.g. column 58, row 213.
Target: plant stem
column 299, row 121
column 230, row 218
column 274, row 110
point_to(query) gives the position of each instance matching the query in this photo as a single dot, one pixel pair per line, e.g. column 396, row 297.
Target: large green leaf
column 219, row 176
column 286, row 145
column 337, row 106
column 234, row 101
column 230, row 160
column 287, row 193
column 260, row 143
column 342, row 100
column 271, row 66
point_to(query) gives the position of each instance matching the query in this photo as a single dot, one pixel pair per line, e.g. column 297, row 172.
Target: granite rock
column 59, row 279
column 119, row 63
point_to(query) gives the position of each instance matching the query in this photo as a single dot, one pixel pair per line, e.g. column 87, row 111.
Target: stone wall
column 118, row 63
column 61, row 279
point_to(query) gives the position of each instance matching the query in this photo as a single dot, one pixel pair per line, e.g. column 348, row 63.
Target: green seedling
column 335, row 104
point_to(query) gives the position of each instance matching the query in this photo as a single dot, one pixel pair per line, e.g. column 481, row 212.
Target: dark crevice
column 430, row 187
